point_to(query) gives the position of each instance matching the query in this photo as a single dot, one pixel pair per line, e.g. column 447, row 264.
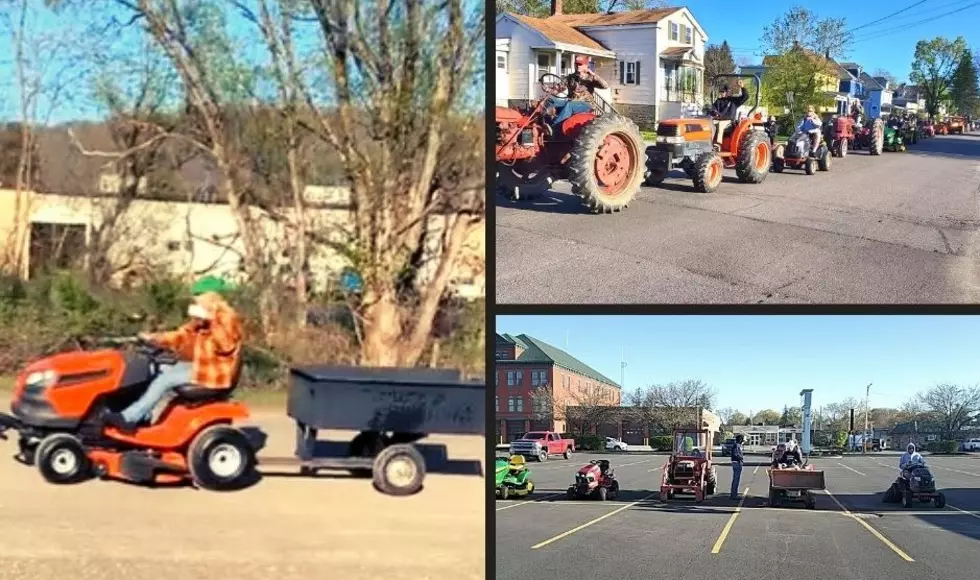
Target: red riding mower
column 600, row 152
column 59, row 406
column 595, row 480
column 689, row 470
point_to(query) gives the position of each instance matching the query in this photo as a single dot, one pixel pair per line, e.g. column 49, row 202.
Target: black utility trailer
column 390, row 408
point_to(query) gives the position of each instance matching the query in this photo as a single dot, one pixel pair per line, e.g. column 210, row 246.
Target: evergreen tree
column 718, row 60
column 965, row 92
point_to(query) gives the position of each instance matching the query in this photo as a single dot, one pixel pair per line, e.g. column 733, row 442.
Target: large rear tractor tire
column 877, row 144
column 608, row 163
column 522, row 179
column 708, row 170
column 754, row 158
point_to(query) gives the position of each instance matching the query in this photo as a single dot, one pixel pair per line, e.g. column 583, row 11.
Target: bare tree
column 952, row 406
column 672, row 405
column 584, row 407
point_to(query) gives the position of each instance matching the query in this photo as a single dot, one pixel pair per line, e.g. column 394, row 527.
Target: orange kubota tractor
column 688, row 144
column 600, row 152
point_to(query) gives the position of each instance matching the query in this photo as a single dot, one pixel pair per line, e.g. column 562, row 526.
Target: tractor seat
column 199, row 394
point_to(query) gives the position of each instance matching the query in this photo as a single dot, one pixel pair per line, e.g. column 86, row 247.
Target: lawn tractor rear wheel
column 603, row 494
column 754, row 158
column 778, row 159
column 503, row 492
column 810, row 166
column 708, row 170
column 823, row 160
column 608, row 163
column 907, row 498
column 61, row 459
column 523, row 179
column 221, row 458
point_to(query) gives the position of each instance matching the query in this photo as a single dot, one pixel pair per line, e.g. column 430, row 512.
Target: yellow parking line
column 731, row 522
column 520, row 503
column 589, row 523
column 873, row 531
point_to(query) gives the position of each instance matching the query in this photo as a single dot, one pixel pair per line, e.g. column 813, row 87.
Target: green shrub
column 942, row 446
column 662, row 442
column 589, row 443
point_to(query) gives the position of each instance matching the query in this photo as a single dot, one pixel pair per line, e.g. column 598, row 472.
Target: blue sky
column 875, row 46
column 757, row 362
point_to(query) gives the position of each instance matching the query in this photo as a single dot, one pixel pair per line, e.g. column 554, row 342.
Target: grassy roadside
column 255, row 398
column 649, row 135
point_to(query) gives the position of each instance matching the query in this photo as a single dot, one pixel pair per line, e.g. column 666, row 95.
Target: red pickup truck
column 541, row 445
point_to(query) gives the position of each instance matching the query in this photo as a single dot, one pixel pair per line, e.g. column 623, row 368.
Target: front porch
column 682, row 92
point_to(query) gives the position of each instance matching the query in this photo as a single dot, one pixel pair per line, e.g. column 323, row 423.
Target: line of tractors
column 605, row 158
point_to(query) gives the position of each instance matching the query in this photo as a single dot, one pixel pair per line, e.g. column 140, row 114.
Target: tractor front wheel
column 608, row 162
column 754, row 158
column 707, row 172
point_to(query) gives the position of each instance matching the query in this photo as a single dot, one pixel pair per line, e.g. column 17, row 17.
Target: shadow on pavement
column 550, row 202
column 948, row 518
column 958, row 147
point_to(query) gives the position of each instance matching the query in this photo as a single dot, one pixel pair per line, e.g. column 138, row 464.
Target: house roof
column 538, row 351
column 557, row 31
column 615, row 19
column 870, row 83
column 851, row 65
column 676, row 51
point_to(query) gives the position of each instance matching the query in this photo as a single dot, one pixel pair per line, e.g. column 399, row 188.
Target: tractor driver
column 209, row 347
column 724, row 109
column 581, row 86
column 787, row 454
column 856, row 112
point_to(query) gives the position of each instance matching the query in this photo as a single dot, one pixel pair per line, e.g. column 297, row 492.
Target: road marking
column 969, row 513
column 589, row 523
column 731, row 522
column 520, row 503
column 851, row 468
column 756, row 470
column 956, row 470
column 873, row 531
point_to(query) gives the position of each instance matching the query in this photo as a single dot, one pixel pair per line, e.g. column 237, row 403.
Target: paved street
column 850, row 535
column 282, row 527
column 898, row 228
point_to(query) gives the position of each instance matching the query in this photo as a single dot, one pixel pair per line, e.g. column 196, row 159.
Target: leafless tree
column 582, row 407
column 952, row 406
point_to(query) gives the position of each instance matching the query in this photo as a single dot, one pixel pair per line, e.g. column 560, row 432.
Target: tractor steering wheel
column 554, row 85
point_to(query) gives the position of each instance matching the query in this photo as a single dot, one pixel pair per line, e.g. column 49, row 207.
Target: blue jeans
column 736, row 476
column 566, row 109
column 170, row 377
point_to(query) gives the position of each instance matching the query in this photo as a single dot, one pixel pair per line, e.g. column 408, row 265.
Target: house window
column 502, row 61
column 629, row 72
column 520, row 404
column 674, row 31
column 515, row 404
column 496, row 403
column 688, row 34
column 510, row 404
column 539, row 378
column 514, row 378
column 544, row 63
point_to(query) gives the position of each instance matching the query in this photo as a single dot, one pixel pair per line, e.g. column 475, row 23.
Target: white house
column 652, row 59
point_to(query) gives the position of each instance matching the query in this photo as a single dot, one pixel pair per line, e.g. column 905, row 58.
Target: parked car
column 971, row 445
column 613, row 444
column 726, row 447
column 541, row 445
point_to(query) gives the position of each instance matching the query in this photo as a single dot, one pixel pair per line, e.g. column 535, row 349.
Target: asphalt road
column 898, row 228
column 282, row 527
column 850, row 535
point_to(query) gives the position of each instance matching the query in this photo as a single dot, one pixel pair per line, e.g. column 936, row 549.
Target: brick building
column 524, row 363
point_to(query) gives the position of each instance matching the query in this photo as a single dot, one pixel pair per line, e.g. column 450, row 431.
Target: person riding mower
column 787, row 456
column 914, row 482
column 811, row 125
column 724, row 110
column 581, row 87
column 64, row 432
column 594, row 480
column 513, row 477
column 857, row 111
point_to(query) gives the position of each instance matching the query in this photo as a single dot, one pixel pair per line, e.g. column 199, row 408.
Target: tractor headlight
column 41, row 379
column 670, row 140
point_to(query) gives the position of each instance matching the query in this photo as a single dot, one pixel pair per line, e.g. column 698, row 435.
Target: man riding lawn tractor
column 570, row 134
column 704, row 147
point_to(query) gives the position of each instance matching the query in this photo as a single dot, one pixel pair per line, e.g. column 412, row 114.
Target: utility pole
column 867, row 398
column 622, row 371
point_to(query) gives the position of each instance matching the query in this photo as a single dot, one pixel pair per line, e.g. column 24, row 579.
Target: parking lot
column 894, row 228
column 851, row 535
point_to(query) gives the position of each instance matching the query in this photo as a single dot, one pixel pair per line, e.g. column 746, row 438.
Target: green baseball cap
column 210, row 284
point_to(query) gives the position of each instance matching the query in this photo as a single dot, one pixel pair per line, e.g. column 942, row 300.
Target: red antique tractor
column 689, row 469
column 839, row 134
column 871, row 137
column 600, row 152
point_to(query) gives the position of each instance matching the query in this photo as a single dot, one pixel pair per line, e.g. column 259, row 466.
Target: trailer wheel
column 221, row 458
column 399, row 470
column 61, row 459
column 940, row 500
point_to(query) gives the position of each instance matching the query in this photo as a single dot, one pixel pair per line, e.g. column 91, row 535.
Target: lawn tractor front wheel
column 608, row 163
column 61, row 459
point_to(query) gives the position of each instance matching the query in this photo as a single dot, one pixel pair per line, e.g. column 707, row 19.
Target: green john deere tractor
column 513, row 477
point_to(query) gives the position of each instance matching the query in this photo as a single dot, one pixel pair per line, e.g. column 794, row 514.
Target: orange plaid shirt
column 215, row 350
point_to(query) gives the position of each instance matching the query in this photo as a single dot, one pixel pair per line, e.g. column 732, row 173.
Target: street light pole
column 867, row 398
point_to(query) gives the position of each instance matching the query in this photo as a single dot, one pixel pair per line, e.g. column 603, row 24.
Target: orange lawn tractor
column 689, row 468
column 688, row 144
column 600, row 152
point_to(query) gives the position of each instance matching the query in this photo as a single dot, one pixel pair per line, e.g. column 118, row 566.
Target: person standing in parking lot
column 737, row 460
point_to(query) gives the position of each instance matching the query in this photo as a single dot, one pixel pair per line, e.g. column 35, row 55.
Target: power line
column 889, row 16
column 887, row 31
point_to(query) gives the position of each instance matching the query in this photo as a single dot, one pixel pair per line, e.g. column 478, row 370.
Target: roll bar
column 758, row 87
